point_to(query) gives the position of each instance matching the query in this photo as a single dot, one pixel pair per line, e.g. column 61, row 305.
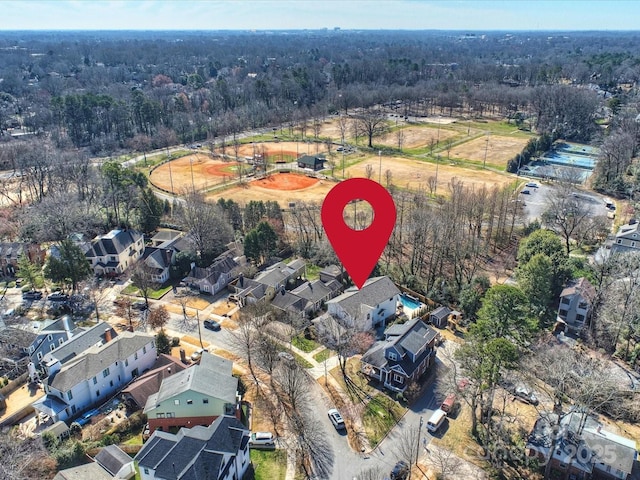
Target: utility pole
column 380, row 169
column 418, row 445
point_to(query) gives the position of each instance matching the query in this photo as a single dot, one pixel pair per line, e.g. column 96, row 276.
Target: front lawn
column 380, row 415
column 323, row 355
column 269, row 464
column 304, row 344
column 153, row 294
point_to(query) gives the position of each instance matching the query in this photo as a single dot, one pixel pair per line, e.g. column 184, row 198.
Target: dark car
column 34, row 295
column 58, row 297
column 140, row 305
column 211, row 325
column 400, row 471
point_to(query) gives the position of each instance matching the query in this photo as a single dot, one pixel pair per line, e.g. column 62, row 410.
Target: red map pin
column 358, row 250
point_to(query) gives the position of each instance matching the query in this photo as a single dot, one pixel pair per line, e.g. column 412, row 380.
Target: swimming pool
column 410, row 302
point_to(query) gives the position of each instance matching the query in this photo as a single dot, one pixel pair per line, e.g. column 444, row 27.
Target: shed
column 314, row 163
column 440, row 317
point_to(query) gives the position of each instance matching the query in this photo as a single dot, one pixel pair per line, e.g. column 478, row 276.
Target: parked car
column 532, row 185
column 526, row 395
column 211, row 325
column 86, row 418
column 139, row 305
column 400, row 471
column 336, row 419
column 262, row 439
column 33, row 295
column 58, row 297
column 436, row 420
column 195, row 356
column 449, row 403
column 525, row 192
column 286, row 356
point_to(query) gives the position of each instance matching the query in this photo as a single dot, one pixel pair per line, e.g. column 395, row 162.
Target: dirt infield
column 415, row 175
column 206, row 173
column 285, row 181
column 255, row 191
column 276, row 151
column 499, row 149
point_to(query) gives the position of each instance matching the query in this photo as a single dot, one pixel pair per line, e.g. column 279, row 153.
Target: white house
column 116, row 251
column 95, row 375
column 370, row 306
column 217, row 452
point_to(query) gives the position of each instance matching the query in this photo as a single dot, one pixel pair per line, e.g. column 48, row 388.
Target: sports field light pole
column 486, row 147
column 380, row 169
column 193, row 185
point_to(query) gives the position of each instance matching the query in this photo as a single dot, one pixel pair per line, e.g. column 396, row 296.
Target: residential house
column 52, row 335
column 219, row 451
column 216, row 277
column 59, row 430
column 440, row 317
column 136, row 394
column 306, row 298
column 15, row 343
column 11, row 251
column 110, row 462
column 311, row 162
column 268, row 282
column 99, row 334
column 368, row 307
column 113, row 253
column 404, row 355
column 627, row 239
column 583, row 450
column 158, row 262
column 195, row 396
column 95, row 375
column 331, row 272
column 576, row 302
column 166, row 237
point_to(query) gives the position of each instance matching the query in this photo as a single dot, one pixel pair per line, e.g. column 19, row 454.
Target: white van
column 436, row 420
column 262, row 439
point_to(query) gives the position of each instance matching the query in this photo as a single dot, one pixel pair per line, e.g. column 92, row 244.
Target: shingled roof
column 113, row 243
column 193, row 451
column 375, row 291
column 96, row 359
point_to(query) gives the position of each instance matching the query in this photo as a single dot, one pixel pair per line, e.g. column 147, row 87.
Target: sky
column 472, row 15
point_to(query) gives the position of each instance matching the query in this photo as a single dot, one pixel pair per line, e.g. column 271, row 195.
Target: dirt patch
column 286, row 181
column 222, row 169
column 414, row 137
column 251, row 191
column 499, row 149
column 415, row 175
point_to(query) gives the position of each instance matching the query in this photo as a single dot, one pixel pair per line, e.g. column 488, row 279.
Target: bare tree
column 372, row 122
column 368, row 171
column 408, row 446
column 388, row 178
column 313, row 450
column 567, row 213
column 142, row 279
column 444, row 461
column 158, row 317
column 400, row 138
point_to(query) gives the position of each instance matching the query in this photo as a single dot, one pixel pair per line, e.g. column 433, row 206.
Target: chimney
column 183, row 356
column 107, row 335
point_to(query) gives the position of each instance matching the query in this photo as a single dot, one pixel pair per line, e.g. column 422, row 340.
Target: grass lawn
column 380, row 415
column 301, row 361
column 313, row 272
column 269, row 464
column 304, row 344
column 323, row 355
column 153, row 294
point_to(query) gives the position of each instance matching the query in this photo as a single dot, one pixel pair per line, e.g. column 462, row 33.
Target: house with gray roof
column 307, row 298
column 576, row 304
column 52, row 335
column 404, row 355
column 113, row 253
column 369, row 306
column 195, row 396
column 214, row 278
column 583, row 448
column 627, row 239
column 268, row 282
column 219, row 451
column 158, row 262
column 110, row 462
column 99, row 334
column 95, row 375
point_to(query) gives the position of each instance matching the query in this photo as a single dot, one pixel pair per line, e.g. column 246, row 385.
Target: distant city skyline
column 477, row 15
